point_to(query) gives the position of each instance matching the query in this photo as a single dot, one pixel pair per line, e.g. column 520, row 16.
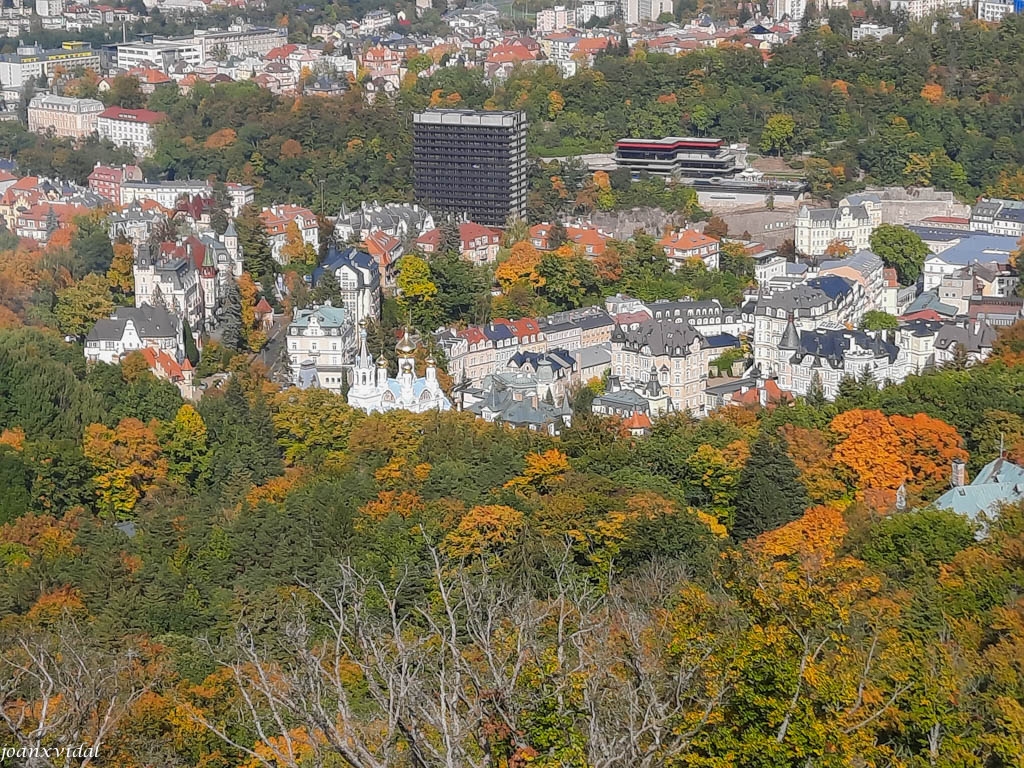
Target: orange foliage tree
column 521, row 264
column 884, row 452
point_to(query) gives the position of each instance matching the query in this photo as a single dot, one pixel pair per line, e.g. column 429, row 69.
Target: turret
column 431, row 372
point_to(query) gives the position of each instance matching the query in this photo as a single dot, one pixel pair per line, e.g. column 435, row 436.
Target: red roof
column 687, row 240
column 281, row 52
column 149, row 75
column 162, row 364
column 948, row 220
column 133, row 115
column 638, row 421
column 264, row 308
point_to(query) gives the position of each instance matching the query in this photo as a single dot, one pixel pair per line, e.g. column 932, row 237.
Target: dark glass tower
column 472, row 163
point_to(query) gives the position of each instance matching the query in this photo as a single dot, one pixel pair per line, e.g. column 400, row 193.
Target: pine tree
column 189, row 344
column 451, row 240
column 231, row 334
column 769, row 493
column 557, row 235
column 256, row 252
column 327, row 288
column 815, row 391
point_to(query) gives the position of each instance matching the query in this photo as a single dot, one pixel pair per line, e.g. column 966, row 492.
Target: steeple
column 790, row 338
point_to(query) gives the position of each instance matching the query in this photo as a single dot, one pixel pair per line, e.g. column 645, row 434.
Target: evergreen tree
column 815, row 392
column 232, row 336
column 257, row 256
column 52, row 223
column 327, row 288
column 557, row 235
column 189, row 344
column 451, row 240
column 769, row 492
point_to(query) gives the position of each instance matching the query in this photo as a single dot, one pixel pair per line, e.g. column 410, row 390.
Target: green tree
column 91, row 244
column 189, row 344
column 327, row 288
column 185, row 446
column 450, row 240
column 769, row 492
column 79, row 306
column 232, row 332
column 257, row 255
column 557, row 236
column 900, row 249
column 875, row 320
column 778, row 133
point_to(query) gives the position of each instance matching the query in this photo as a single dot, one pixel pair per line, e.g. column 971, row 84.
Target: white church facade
column 372, row 390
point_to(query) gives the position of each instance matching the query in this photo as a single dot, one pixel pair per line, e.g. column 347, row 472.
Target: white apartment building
column 832, row 355
column 64, row 116
column 998, row 217
column 918, row 9
column 555, row 19
column 671, row 355
column 822, row 302
column 602, row 9
column 870, row 31
column 167, row 193
column 31, row 61
column 863, row 267
column 325, row 336
column 993, row 11
column 134, row 128
column 639, row 11
column 817, row 228
column 238, row 40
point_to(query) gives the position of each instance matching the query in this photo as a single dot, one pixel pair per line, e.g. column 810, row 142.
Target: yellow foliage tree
column 484, row 530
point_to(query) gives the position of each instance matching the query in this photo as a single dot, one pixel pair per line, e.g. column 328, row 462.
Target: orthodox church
column 373, row 390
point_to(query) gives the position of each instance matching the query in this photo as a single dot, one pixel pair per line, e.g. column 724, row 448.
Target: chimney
column 958, row 475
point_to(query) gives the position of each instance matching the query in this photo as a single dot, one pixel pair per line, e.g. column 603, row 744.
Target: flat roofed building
column 471, row 163
column 681, row 155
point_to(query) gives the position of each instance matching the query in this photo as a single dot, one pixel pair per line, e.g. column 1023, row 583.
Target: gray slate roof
column 150, row 323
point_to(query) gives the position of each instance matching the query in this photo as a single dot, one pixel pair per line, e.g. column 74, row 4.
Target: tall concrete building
column 471, row 163
column 639, row 11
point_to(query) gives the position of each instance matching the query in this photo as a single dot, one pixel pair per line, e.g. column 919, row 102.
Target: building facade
column 849, row 225
column 132, row 128
column 471, row 163
column 325, row 336
column 64, row 116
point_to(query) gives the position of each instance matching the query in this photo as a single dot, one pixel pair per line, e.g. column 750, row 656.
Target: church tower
column 363, row 390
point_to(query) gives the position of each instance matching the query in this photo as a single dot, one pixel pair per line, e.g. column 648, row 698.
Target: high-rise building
column 472, row 163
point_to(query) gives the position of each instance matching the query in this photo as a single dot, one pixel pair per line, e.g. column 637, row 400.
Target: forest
column 269, row 578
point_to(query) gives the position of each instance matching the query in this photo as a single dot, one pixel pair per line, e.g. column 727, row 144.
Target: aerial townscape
column 448, row 384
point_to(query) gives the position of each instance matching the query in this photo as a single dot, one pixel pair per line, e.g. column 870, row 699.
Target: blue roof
column 349, row 256
column 999, row 482
column 722, row 340
column 497, row 332
column 978, row 248
column 832, row 286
